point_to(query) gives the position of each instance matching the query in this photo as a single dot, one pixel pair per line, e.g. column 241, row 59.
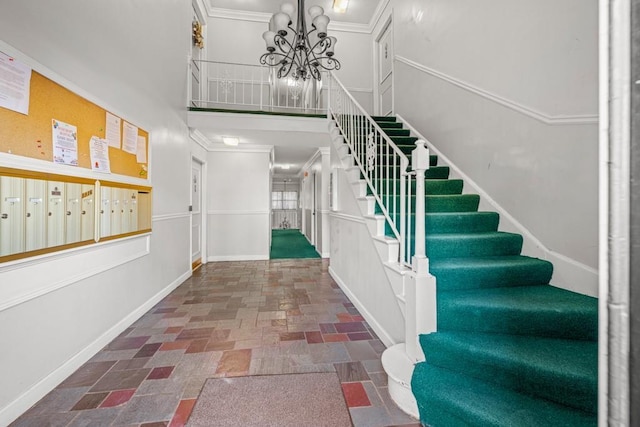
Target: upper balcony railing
column 231, row 86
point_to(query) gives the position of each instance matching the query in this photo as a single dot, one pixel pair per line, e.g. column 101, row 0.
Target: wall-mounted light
column 230, row 140
column 340, row 6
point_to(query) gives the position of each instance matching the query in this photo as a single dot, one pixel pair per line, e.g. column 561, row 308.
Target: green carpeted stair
column 511, row 349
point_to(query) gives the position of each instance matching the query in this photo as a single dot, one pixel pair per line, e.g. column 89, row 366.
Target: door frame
column 388, row 25
column 203, row 210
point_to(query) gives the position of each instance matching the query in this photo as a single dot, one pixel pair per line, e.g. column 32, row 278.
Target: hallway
column 229, row 319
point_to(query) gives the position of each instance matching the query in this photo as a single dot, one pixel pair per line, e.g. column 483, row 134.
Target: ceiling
column 359, row 11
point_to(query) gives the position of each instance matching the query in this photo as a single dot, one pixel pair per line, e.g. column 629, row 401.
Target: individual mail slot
column 12, row 238
column 73, row 209
column 105, row 211
column 116, row 214
column 88, row 227
column 126, row 216
column 56, row 213
column 36, row 214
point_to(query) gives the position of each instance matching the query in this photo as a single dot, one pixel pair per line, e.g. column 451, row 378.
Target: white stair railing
column 384, row 168
column 227, row 85
column 382, row 164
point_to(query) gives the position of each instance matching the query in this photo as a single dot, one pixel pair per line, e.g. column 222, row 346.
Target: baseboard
column 16, row 408
column 384, row 336
column 217, row 258
column 326, row 255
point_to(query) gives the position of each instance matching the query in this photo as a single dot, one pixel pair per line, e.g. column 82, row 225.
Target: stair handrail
column 367, row 147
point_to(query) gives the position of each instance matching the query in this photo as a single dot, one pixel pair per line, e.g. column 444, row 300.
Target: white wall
column 125, row 58
column 353, row 50
column 319, row 165
column 508, row 91
column 356, row 265
column 239, row 204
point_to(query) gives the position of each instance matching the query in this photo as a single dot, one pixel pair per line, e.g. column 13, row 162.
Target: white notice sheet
column 15, row 80
column 99, row 149
column 130, row 138
column 112, row 132
column 65, row 143
column 141, row 155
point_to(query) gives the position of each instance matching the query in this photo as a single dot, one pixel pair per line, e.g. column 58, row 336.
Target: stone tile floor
column 229, row 319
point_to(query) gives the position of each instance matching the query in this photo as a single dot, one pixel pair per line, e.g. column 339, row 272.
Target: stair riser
column 568, row 325
column 453, row 203
column 471, row 222
column 433, row 187
column 579, row 392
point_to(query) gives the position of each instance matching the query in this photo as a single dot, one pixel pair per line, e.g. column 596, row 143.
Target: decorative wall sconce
column 198, row 40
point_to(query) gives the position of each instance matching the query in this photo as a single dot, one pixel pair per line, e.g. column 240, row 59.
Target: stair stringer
column 396, row 359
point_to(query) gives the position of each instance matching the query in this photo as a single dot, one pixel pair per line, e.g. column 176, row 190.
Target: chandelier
column 296, row 51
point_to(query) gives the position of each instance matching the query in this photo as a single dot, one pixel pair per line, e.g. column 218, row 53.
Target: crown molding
column 199, row 138
column 243, row 15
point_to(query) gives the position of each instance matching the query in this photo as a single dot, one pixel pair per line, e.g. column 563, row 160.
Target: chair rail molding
column 548, row 119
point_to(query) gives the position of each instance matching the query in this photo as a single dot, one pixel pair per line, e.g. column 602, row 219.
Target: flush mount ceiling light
column 295, row 50
column 340, row 6
column 285, row 167
column 230, row 140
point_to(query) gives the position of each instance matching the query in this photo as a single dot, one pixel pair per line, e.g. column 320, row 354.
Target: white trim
column 50, row 276
column 352, row 89
column 199, row 138
column 347, row 217
column 384, row 336
column 243, row 15
column 237, row 212
column 169, row 217
column 377, row 15
column 563, row 119
column 36, row 165
column 16, row 408
column 567, row 271
column 222, row 258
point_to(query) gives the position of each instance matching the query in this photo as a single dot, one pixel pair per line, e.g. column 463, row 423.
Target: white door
column 317, row 210
column 196, row 214
column 196, row 65
column 384, row 55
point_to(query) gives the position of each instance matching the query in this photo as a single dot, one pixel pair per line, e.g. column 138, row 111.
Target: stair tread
column 474, row 244
column 447, row 398
column 565, row 371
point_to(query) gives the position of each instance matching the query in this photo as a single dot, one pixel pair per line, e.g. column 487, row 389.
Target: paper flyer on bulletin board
column 130, row 138
column 99, row 149
column 112, row 132
column 15, row 79
column 65, row 143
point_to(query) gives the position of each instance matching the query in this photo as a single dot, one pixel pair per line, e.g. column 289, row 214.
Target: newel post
column 421, row 285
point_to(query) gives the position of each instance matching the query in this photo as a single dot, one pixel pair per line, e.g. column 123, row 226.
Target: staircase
column 510, row 349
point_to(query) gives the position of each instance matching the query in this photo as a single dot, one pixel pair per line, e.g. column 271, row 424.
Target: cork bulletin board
column 31, row 135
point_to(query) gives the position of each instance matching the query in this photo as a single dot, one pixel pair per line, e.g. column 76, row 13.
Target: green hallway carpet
column 291, row 244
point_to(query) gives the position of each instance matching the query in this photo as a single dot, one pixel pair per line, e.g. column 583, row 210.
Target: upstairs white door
column 196, row 214
column 384, row 59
